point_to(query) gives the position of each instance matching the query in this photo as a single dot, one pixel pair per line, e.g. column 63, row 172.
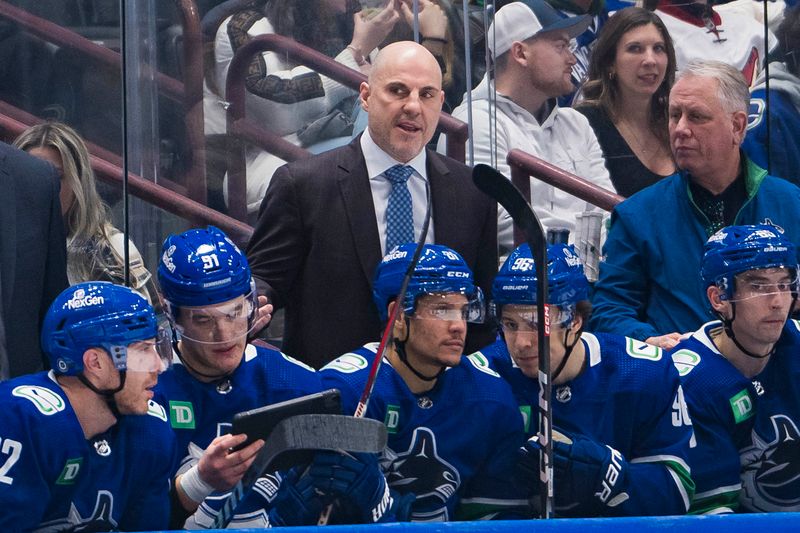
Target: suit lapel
column 444, row 198
column 359, row 209
column 8, row 234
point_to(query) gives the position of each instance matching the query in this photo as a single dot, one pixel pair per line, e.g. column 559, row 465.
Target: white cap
column 519, row 21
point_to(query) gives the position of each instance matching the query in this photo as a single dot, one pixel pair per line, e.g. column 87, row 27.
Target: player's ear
column 714, row 295
column 739, row 120
column 399, row 322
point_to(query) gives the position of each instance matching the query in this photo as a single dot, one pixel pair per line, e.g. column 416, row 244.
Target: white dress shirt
column 378, row 162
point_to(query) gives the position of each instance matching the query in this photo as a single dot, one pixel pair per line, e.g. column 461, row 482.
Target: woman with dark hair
column 626, row 98
column 288, row 98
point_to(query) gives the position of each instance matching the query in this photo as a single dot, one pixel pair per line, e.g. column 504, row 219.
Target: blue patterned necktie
column 399, row 217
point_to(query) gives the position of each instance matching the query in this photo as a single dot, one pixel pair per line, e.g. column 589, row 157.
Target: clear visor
column 219, row 323
column 527, row 322
column 151, row 355
column 450, row 306
column 755, row 284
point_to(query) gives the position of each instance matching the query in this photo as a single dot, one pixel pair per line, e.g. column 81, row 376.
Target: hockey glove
column 589, row 477
column 297, row 502
column 356, row 480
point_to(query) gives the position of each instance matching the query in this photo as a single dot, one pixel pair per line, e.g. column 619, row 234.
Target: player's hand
column 221, row 467
column 263, row 315
column 589, row 475
column 356, row 479
column 297, row 502
column 666, row 342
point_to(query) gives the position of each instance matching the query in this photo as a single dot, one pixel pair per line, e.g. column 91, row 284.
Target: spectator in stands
column 702, row 31
column 625, row 98
column 95, row 248
column 323, row 225
column 288, row 98
column 648, row 288
column 779, row 149
column 531, row 46
column 33, row 268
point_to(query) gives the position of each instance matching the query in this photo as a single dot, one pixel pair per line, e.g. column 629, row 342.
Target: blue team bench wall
column 742, row 523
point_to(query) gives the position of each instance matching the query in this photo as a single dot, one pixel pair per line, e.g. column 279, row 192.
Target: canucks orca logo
column 420, row 470
column 771, row 469
column 101, row 519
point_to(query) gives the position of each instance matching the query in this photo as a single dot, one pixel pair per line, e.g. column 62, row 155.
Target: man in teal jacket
column 648, row 286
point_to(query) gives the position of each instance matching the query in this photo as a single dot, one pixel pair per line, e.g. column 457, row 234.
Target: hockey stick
column 387, row 337
column 498, row 187
column 305, row 432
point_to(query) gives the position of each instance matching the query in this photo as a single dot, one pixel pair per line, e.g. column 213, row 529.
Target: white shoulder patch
column 250, row 352
column 157, row 410
column 642, row 350
column 46, row 401
column 480, row 362
column 348, row 363
column 296, row 362
column 685, row 361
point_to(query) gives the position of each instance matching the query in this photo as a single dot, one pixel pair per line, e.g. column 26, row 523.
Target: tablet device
column 258, row 423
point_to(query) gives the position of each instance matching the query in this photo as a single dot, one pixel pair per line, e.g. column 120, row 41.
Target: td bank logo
column 392, row 418
column 181, row 415
column 70, row 472
column 742, row 406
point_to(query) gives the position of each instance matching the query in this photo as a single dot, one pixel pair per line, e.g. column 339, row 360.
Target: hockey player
column 453, row 424
column 83, row 446
column 621, row 434
column 731, row 365
column 210, row 298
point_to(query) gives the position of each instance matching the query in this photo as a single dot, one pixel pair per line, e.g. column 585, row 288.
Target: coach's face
column 403, row 98
column 704, row 136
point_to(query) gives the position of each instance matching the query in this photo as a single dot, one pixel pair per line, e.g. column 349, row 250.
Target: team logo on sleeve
column 771, row 468
column 420, row 470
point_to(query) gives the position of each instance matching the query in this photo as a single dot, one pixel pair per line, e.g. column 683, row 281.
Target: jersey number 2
column 13, row 449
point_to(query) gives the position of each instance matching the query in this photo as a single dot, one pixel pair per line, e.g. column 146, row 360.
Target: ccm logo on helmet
column 79, row 299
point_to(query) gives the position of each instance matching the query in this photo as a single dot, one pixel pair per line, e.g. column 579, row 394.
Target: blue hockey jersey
column 628, row 397
column 722, row 403
column 453, row 446
column 770, row 460
column 199, row 412
column 53, row 479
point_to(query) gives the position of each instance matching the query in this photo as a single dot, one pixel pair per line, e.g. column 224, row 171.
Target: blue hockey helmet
column 515, row 283
column 202, row 267
column 736, row 249
column 98, row 314
column 439, row 270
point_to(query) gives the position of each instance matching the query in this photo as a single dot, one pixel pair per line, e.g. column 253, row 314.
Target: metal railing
column 189, row 93
column 525, row 165
column 108, row 167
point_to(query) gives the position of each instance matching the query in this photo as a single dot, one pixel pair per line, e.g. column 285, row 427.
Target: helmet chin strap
column 727, row 324
column 107, row 394
column 401, row 353
column 212, row 377
column 567, row 352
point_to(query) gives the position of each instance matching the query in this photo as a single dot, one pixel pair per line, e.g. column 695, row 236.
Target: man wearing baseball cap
column 532, row 49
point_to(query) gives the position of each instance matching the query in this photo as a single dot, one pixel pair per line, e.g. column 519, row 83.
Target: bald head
column 403, row 98
column 403, row 52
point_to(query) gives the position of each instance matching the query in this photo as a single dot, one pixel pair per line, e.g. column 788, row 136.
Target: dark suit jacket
column 316, row 247
column 33, row 255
